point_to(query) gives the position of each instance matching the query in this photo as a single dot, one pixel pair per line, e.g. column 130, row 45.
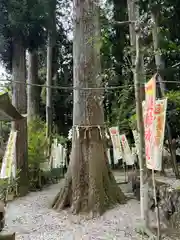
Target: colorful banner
column 126, row 151
column 115, row 137
column 8, row 168
column 150, row 98
column 159, row 128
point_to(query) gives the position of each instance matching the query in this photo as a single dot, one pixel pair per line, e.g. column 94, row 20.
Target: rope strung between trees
column 79, row 88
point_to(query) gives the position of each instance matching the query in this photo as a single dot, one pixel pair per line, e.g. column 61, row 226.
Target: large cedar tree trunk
column 33, row 92
column 19, row 100
column 89, row 185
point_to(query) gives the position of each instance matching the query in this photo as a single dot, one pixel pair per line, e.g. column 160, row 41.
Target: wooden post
column 6, row 236
column 157, row 207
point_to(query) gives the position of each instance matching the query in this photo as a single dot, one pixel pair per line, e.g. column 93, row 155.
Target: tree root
column 145, row 231
column 62, row 199
column 95, row 201
column 89, row 185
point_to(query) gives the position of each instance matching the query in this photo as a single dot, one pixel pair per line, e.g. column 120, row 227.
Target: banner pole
column 156, row 206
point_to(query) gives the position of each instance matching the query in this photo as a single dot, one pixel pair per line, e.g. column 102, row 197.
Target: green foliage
column 22, row 20
column 172, row 115
column 5, row 128
column 37, row 142
column 61, row 139
column 173, row 112
column 133, row 122
column 8, row 187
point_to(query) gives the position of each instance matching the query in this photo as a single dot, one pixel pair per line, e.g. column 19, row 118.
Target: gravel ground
column 32, row 218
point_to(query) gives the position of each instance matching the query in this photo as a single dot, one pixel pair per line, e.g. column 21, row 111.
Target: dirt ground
column 32, row 218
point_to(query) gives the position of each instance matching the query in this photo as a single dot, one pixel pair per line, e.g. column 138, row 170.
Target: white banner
column 126, row 151
column 58, row 155
column 109, row 156
column 8, row 168
column 136, row 140
column 115, row 137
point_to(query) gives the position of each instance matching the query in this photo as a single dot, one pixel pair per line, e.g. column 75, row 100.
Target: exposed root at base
column 89, row 185
column 96, row 203
column 144, row 231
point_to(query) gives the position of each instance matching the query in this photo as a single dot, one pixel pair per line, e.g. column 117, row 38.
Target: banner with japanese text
column 8, row 168
column 126, row 151
column 149, row 107
column 159, row 128
column 115, row 137
column 136, row 140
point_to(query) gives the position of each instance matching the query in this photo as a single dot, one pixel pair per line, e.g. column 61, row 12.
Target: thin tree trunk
column 50, row 46
column 160, row 69
column 138, row 74
column 19, row 100
column 33, row 92
column 49, row 89
column 89, row 184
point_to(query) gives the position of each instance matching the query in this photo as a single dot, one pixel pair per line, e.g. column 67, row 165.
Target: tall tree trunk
column 19, row 100
column 49, row 89
column 89, row 184
column 138, row 73
column 160, row 69
column 33, row 92
column 50, row 46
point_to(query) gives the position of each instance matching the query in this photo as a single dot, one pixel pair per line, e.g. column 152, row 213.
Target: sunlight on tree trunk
column 89, row 185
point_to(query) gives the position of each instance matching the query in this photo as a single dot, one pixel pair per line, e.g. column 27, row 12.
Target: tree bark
column 49, row 89
column 140, row 129
column 49, row 77
column 33, row 92
column 89, row 184
column 19, row 100
column 138, row 75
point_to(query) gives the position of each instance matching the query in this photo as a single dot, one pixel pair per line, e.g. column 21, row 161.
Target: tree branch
column 122, row 22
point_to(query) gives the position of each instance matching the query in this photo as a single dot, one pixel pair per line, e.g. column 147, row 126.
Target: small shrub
column 61, row 139
column 133, row 122
column 37, row 143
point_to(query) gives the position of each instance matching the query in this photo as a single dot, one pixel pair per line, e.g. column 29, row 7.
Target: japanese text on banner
column 150, row 90
column 159, row 128
column 115, row 137
column 126, row 151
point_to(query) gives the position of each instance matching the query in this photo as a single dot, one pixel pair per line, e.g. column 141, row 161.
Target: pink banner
column 150, row 90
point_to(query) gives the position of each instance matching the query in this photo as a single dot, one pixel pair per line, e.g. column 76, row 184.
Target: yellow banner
column 150, row 98
column 8, row 168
